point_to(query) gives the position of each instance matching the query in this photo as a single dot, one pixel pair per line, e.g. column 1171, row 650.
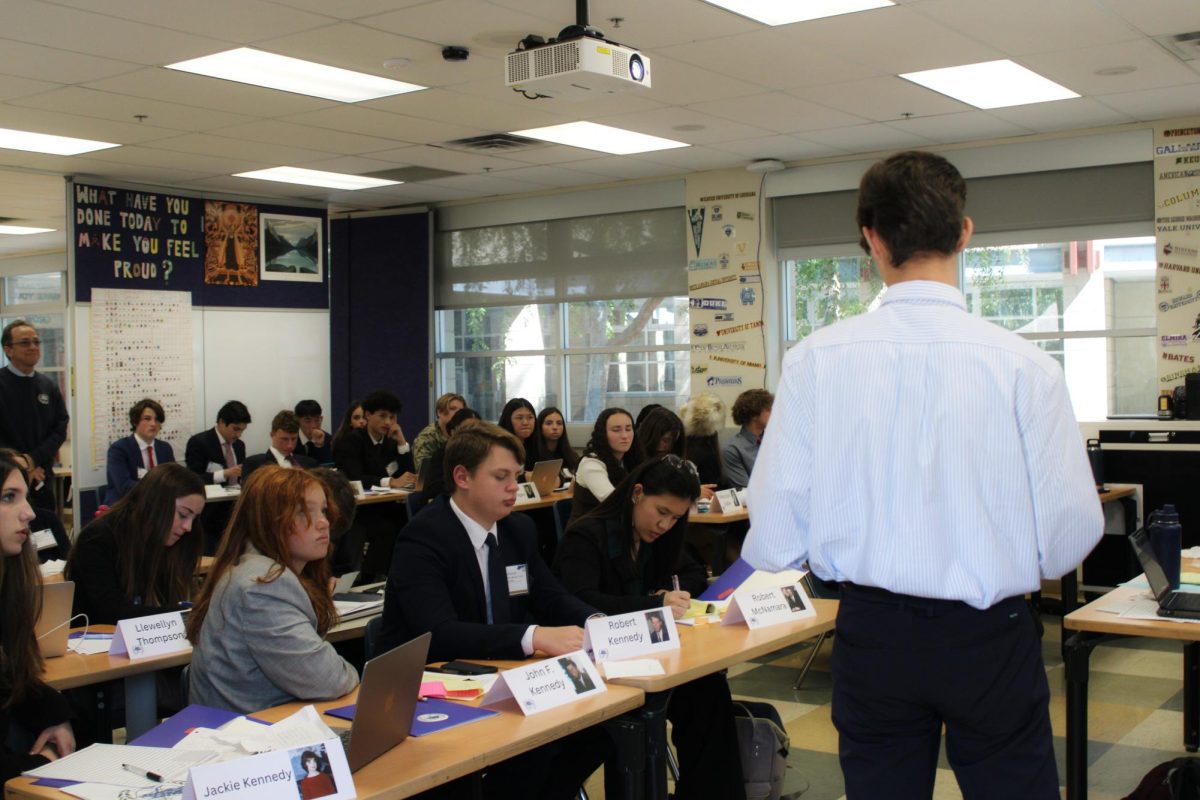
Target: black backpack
column 1178, row 779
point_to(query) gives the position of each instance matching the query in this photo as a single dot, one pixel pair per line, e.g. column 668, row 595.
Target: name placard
column 631, row 635
column 759, row 608
column 313, row 770
column 527, row 493
column 730, row 500
column 145, row 637
column 547, row 684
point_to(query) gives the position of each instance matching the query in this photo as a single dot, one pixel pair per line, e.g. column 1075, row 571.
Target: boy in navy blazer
column 133, row 456
column 205, row 454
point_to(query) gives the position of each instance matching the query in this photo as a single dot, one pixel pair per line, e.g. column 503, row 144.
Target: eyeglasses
column 681, row 464
column 27, row 343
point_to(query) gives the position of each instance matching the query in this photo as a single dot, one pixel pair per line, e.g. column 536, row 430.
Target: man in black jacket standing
column 33, row 416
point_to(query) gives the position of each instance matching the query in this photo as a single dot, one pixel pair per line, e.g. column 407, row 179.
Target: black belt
column 913, row 600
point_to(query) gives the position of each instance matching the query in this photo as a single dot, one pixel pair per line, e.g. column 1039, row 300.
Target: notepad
column 101, row 763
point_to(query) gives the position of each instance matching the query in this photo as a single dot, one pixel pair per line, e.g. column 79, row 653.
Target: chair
column 562, row 513
column 414, row 503
column 371, row 637
column 816, row 648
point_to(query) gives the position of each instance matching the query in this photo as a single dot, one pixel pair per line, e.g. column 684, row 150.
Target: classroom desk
column 1092, row 627
column 1127, row 497
column 719, row 517
column 545, row 502
column 419, row 764
column 399, row 495
column 705, row 649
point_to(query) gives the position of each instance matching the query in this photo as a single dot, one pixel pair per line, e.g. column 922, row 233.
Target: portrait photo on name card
column 314, row 776
column 577, row 675
column 794, row 601
column 291, row 248
column 658, row 626
column 230, row 243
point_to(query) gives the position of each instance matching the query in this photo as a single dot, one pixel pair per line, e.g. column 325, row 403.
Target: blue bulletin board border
column 141, row 238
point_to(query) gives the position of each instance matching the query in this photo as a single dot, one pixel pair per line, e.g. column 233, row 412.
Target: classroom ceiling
column 736, row 90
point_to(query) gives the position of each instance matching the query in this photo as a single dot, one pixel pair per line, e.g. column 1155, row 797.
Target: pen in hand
column 145, row 773
column 675, row 583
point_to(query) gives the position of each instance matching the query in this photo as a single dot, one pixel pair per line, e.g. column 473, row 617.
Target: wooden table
column 1092, row 627
column 719, row 517
column 397, row 495
column 704, row 649
column 545, row 502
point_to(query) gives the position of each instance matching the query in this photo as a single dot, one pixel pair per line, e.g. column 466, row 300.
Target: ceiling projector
column 578, row 68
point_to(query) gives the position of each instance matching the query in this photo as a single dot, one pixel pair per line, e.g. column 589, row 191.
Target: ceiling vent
column 1184, row 46
column 413, row 174
column 493, row 143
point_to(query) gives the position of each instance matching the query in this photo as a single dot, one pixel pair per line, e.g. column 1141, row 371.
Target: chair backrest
column 562, row 513
column 371, row 637
column 414, row 503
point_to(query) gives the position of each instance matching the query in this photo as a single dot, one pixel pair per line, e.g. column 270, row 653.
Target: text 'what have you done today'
column 137, row 226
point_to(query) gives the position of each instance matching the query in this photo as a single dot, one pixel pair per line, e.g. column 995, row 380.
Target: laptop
column 54, row 623
column 546, row 475
column 387, row 700
column 1170, row 603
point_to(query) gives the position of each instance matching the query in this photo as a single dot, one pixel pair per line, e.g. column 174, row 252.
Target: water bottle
column 1096, row 459
column 1166, row 537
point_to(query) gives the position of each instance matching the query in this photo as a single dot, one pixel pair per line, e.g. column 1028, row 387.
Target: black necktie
column 497, row 582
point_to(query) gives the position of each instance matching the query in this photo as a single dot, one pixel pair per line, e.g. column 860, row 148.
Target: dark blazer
column 360, row 459
column 43, row 708
column 322, row 454
column 435, row 585
column 33, row 416
column 124, row 461
column 98, row 589
column 593, row 562
column 205, row 448
column 268, row 459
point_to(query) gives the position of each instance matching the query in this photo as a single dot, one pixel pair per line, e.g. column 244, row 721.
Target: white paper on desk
column 632, row 668
column 53, row 567
column 101, row 763
column 1147, row 608
column 301, row 728
column 89, row 647
column 104, row 791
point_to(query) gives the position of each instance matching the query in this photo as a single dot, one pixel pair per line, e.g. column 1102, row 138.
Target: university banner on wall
column 725, row 289
column 1177, row 232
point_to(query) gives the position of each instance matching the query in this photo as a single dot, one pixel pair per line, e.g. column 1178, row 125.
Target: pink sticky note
column 433, row 689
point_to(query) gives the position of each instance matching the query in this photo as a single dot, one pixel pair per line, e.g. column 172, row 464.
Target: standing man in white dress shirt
column 930, row 462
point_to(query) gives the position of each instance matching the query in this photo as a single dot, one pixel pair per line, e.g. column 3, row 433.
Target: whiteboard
column 267, row 358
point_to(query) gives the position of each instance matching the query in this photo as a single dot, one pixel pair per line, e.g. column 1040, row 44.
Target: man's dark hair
column 308, row 408
column 471, row 446
column 460, row 416
column 343, row 497
column 6, row 338
column 285, row 421
column 381, row 400
column 139, row 408
column 234, row 413
column 914, row 201
column 750, row 403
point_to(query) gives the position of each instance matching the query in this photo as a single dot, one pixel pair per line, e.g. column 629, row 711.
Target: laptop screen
column 1159, row 584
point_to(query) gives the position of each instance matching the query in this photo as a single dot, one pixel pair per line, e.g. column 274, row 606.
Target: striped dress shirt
column 925, row 451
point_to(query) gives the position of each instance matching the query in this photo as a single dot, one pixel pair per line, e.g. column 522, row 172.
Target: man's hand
column 38, row 475
column 233, row 472
column 397, row 435
column 557, row 641
column 678, row 602
column 402, row 480
column 317, row 437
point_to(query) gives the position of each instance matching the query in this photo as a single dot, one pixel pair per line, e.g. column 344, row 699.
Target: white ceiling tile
column 227, row 185
column 663, row 122
column 171, row 86
column 355, row 119
column 331, row 141
column 555, row 176
column 1157, row 17
column 443, row 158
column 448, row 105
column 1153, row 104
column 241, row 21
column 867, row 138
column 461, row 22
column 960, row 127
column 1076, row 69
column 173, row 159
column 881, row 98
column 32, row 119
column 57, row 65
column 625, row 168
column 1030, row 26
column 1078, row 112
column 351, row 165
column 779, row 112
column 784, row 148
column 552, row 154
column 99, row 34
column 12, row 88
column 487, row 185
column 679, row 83
column 131, row 173
column 691, row 159
column 211, row 145
column 123, row 108
column 347, row 9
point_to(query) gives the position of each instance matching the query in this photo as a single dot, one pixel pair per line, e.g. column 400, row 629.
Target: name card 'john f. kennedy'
column 546, row 684
column 143, row 637
column 637, row 633
column 762, row 607
column 313, row 770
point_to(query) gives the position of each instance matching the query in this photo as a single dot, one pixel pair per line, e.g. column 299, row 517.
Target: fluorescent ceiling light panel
column 778, row 12
column 19, row 230
column 606, row 139
column 991, row 84
column 312, row 177
column 47, row 143
column 259, row 68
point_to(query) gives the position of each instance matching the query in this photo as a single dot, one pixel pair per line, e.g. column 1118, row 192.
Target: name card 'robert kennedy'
column 631, row 635
column 144, row 637
column 302, row 773
column 547, row 684
column 762, row 607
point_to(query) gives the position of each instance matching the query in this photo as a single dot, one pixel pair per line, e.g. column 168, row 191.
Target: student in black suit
column 315, row 442
column 217, row 454
column 450, row 576
column 285, row 430
column 377, row 455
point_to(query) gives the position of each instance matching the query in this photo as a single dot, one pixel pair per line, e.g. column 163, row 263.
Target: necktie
column 290, row 459
column 498, row 610
column 230, row 462
column 150, row 456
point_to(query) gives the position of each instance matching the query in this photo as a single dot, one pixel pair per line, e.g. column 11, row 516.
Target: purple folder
column 455, row 714
column 724, row 586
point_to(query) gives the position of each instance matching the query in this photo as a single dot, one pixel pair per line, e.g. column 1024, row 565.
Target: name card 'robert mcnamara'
column 759, row 608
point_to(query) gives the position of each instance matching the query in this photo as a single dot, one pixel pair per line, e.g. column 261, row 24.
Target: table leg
column 1077, row 651
column 650, row 722
column 141, row 704
column 1191, row 696
column 625, row 774
column 1070, row 591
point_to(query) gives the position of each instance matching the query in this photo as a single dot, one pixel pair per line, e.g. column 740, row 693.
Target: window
column 1089, row 304
column 40, row 299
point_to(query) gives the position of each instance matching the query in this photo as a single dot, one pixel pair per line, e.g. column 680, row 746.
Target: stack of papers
column 451, row 687
column 53, row 567
column 351, row 609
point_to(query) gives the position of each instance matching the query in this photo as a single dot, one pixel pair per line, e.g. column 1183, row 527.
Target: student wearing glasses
column 133, row 456
column 258, row 626
column 622, row 557
column 33, row 416
column 519, row 418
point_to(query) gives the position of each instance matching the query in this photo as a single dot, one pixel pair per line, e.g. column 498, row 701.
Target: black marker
column 147, row 774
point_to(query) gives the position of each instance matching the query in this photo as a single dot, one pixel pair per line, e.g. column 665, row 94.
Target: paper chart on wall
column 141, row 346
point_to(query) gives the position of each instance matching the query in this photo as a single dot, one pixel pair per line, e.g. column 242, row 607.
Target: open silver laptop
column 53, row 624
column 546, row 475
column 387, row 699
